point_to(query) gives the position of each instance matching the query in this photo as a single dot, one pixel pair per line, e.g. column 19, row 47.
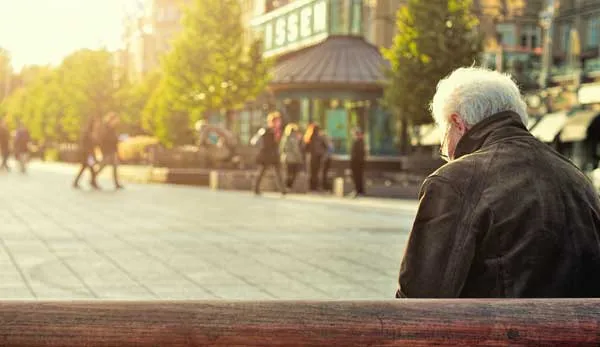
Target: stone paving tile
column 175, row 242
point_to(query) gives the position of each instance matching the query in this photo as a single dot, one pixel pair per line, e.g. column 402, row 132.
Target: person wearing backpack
column 86, row 154
column 267, row 141
column 21, row 146
column 109, row 145
column 4, row 144
column 316, row 147
column 291, row 153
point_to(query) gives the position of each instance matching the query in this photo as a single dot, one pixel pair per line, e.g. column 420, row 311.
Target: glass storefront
column 244, row 126
column 338, row 117
column 346, row 17
column 381, row 132
column 247, row 122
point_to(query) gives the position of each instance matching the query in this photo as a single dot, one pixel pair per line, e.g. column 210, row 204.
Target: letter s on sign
column 280, row 32
column 292, row 27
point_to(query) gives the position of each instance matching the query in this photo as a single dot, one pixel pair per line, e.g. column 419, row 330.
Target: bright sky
column 45, row 31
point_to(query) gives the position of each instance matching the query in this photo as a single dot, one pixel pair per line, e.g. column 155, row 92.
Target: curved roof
column 337, row 60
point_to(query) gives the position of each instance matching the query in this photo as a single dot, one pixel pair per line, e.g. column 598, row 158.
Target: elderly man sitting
column 507, row 216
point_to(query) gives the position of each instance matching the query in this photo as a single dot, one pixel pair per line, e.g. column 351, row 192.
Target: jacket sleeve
column 440, row 248
column 256, row 139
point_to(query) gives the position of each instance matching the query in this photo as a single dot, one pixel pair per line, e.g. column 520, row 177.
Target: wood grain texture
column 540, row 322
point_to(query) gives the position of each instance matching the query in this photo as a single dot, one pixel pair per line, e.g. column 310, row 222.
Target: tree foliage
column 433, row 38
column 5, row 72
column 211, row 67
column 132, row 98
column 55, row 102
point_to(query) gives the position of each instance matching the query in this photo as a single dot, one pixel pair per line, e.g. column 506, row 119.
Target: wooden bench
column 541, row 322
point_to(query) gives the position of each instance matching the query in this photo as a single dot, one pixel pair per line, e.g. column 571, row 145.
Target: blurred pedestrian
column 109, row 145
column 507, row 216
column 267, row 140
column 4, row 144
column 315, row 148
column 326, row 161
column 87, row 157
column 291, row 153
column 21, row 146
column 357, row 163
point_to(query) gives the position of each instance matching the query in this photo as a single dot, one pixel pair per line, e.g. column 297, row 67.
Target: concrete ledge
column 244, row 180
column 385, row 185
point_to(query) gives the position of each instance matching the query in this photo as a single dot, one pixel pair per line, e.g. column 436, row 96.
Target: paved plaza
column 176, row 242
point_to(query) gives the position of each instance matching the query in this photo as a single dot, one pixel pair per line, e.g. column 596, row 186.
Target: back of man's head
column 475, row 94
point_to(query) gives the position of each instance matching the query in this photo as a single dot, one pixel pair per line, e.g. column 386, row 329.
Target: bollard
column 338, row 187
column 213, row 180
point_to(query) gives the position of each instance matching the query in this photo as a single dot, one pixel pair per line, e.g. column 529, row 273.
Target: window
column 506, row 34
column 530, row 36
column 593, row 32
column 346, row 17
column 356, row 17
column 340, row 16
column 367, row 21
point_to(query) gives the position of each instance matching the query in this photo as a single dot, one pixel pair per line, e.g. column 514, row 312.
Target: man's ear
column 458, row 123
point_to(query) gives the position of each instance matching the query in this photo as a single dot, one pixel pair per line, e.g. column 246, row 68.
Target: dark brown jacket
column 509, row 217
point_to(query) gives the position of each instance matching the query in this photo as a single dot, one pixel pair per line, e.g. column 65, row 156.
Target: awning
column 577, row 125
column 430, row 135
column 338, row 60
column 549, row 126
column 589, row 94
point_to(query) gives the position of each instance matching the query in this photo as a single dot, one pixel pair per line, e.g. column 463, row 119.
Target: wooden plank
column 572, row 322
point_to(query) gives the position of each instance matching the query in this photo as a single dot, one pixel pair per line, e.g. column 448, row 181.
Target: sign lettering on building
column 293, row 26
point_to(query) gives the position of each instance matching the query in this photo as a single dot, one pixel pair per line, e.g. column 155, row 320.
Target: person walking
column 268, row 156
column 21, row 146
column 87, row 157
column 507, row 216
column 291, row 153
column 357, row 163
column 315, row 148
column 4, row 144
column 326, row 161
column 109, row 145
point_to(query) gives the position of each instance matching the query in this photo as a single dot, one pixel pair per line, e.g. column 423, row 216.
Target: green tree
column 165, row 119
column 55, row 102
column 211, row 67
column 433, row 38
column 131, row 99
column 86, row 81
column 39, row 104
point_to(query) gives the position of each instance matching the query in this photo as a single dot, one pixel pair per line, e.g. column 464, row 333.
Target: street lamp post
column 547, row 23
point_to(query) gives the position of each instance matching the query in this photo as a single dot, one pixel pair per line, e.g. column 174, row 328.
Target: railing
column 563, row 70
column 565, row 322
column 592, row 65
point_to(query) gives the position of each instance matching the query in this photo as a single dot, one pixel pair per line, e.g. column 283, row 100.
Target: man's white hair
column 475, row 94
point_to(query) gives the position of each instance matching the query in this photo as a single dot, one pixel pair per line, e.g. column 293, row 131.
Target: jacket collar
column 491, row 130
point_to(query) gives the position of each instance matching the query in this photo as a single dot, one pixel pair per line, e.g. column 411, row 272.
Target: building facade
column 327, row 68
column 148, row 34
